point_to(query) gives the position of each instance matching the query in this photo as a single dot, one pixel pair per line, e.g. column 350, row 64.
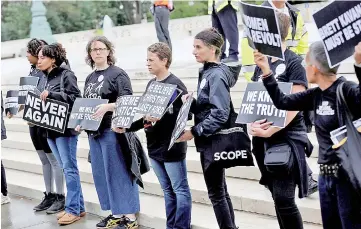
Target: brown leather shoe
column 68, row 219
column 62, row 213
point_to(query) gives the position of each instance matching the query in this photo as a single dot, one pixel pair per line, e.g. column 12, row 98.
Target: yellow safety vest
column 220, row 4
column 299, row 45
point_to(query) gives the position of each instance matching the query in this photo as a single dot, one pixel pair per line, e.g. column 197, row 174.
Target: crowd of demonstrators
column 161, row 10
column 340, row 203
column 169, row 165
column 224, row 19
column 282, row 184
column 116, row 189
column 211, row 113
column 61, row 85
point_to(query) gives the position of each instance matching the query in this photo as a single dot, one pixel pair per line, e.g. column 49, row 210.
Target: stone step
column 19, row 125
column 246, row 195
column 152, row 213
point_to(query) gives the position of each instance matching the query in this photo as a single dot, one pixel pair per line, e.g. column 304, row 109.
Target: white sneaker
column 5, row 199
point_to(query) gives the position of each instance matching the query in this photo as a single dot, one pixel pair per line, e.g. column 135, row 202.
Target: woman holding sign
column 169, row 165
column 292, row 139
column 117, row 190
column 212, row 111
column 54, row 201
column 61, row 85
column 340, row 204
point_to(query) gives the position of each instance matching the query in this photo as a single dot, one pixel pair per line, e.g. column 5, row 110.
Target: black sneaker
column 109, row 222
column 46, row 203
column 312, row 186
column 230, row 59
column 126, row 223
column 58, row 205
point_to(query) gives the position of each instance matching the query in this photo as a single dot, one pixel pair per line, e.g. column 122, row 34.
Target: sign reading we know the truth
column 50, row 114
column 258, row 105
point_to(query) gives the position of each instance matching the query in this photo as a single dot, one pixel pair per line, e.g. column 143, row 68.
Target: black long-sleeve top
column 323, row 103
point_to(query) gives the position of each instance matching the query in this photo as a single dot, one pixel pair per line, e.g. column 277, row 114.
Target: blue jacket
column 212, row 107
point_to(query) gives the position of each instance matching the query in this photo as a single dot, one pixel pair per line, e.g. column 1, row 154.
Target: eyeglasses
column 98, row 49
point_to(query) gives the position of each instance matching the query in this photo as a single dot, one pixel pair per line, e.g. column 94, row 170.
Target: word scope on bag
column 230, row 155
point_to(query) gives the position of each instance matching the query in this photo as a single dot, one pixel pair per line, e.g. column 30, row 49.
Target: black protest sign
column 257, row 105
column 155, row 100
column 27, row 84
column 339, row 25
column 82, row 114
column 261, row 28
column 50, row 114
column 11, row 102
column 181, row 122
column 125, row 109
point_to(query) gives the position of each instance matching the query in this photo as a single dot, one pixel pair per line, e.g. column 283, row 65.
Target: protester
column 117, row 190
column 282, row 186
column 161, row 10
column 62, row 85
column 224, row 19
column 5, row 199
column 212, row 111
column 339, row 202
column 169, row 165
column 54, row 200
column 296, row 40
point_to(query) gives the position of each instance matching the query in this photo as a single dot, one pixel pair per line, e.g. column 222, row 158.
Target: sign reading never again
column 258, row 105
column 181, row 122
column 125, row 109
column 339, row 25
column 26, row 84
column 155, row 100
column 82, row 114
column 262, row 30
column 50, row 114
column 11, row 102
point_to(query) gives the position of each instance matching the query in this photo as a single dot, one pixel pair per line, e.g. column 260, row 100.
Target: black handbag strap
column 343, row 111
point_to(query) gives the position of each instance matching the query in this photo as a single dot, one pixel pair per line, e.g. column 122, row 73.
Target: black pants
column 39, row 139
column 226, row 22
column 283, row 193
column 217, row 191
column 4, row 185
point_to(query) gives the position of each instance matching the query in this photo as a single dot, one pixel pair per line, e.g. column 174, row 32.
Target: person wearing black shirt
column 117, row 190
column 54, row 201
column 282, row 186
column 169, row 165
column 339, row 205
column 61, row 85
column 212, row 111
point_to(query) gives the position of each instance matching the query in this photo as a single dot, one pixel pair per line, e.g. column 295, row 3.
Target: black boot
column 47, row 201
column 58, row 205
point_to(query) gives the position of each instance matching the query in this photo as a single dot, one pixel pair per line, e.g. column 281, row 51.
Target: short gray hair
column 318, row 57
column 284, row 24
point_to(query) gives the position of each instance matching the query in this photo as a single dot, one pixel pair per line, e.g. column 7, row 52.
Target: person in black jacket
column 212, row 111
column 339, row 205
column 169, row 165
column 283, row 184
column 117, row 190
column 54, row 201
column 63, row 145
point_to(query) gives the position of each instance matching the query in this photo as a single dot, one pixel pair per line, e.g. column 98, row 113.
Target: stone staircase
column 253, row 203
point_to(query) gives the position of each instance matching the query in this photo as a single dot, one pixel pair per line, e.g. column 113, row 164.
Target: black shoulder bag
column 350, row 152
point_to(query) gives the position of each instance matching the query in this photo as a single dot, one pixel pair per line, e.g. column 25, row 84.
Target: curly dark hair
column 110, row 59
column 55, row 51
column 34, row 45
column 211, row 37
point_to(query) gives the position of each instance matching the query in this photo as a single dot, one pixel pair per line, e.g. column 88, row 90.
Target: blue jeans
column 117, row 190
column 64, row 149
column 172, row 177
column 339, row 206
